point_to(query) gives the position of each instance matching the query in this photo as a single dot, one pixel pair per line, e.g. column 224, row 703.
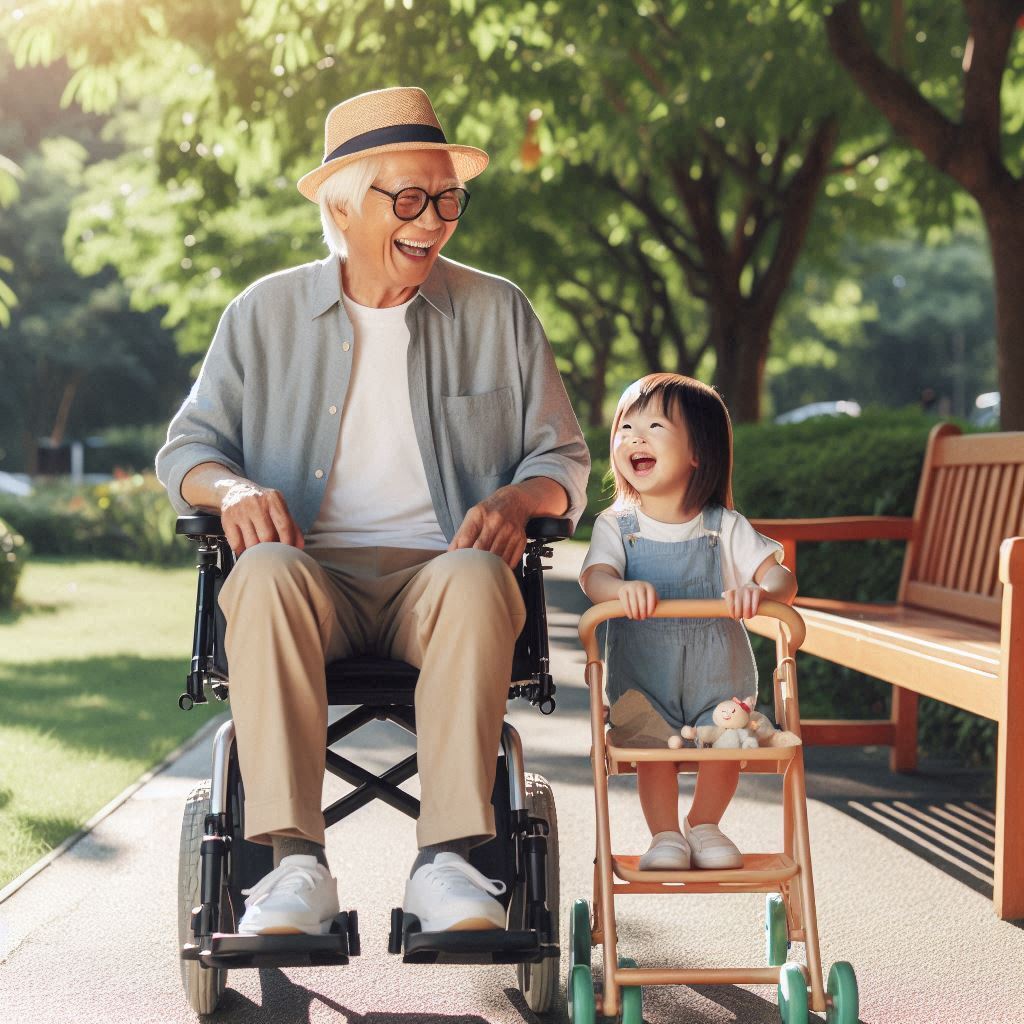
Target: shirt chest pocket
column 483, row 433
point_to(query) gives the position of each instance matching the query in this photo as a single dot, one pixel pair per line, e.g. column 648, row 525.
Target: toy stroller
column 785, row 877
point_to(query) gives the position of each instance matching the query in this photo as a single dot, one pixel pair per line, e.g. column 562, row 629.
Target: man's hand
column 498, row 525
column 252, row 515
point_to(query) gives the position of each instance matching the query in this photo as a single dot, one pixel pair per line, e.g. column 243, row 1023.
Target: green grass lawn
column 92, row 660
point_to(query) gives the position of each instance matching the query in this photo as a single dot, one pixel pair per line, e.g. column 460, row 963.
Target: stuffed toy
column 736, row 726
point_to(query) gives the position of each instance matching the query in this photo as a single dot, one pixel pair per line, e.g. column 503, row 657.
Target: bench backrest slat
column 970, row 498
column 993, row 481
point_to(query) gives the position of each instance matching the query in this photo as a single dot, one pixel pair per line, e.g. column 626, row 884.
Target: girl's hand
column 639, row 598
column 743, row 602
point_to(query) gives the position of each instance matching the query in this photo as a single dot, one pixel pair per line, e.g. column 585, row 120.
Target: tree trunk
column 741, row 347
column 598, row 385
column 1004, row 219
column 60, row 421
column 969, row 150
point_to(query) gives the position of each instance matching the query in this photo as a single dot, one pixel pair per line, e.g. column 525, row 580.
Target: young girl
column 672, row 533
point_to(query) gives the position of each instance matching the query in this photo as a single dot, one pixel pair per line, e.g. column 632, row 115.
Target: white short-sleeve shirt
column 743, row 548
column 377, row 493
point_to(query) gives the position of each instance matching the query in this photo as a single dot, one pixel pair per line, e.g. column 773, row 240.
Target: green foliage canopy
column 648, row 209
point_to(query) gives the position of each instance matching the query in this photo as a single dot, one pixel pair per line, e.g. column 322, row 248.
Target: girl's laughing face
column 653, row 453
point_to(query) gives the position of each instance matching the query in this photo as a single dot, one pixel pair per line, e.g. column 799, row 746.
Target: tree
column 959, row 127
column 75, row 357
column 898, row 319
column 657, row 204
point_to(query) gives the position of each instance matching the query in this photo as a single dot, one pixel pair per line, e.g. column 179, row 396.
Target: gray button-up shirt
column 488, row 404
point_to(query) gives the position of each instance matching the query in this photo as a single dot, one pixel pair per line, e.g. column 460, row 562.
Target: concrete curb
column 58, row 851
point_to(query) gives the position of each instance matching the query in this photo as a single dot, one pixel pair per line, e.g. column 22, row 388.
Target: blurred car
column 15, row 483
column 986, row 410
column 807, row 412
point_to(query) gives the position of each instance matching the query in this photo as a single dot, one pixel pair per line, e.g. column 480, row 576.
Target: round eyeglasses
column 409, row 203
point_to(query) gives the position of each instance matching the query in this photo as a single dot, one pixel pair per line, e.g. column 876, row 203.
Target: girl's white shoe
column 668, row 851
column 710, row 849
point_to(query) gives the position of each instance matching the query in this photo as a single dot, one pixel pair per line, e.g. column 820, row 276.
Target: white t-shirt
column 742, row 548
column 377, row 494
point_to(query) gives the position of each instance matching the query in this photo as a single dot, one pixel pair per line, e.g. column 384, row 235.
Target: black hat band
column 388, row 137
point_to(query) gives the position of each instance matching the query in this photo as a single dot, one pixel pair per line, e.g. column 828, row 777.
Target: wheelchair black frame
column 214, row 562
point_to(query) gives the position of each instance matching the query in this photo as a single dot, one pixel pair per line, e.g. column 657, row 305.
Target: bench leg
column 903, row 756
column 1008, row 890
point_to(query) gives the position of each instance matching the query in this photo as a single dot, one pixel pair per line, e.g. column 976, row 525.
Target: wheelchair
column 216, row 862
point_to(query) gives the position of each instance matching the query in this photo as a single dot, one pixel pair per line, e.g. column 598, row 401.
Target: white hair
column 345, row 189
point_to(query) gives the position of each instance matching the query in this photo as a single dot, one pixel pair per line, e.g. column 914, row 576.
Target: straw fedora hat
column 385, row 121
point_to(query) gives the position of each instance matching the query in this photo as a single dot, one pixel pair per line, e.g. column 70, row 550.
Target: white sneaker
column 668, row 851
column 451, row 895
column 297, row 897
column 710, row 849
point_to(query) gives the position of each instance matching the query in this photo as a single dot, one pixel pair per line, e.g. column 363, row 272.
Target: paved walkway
column 92, row 937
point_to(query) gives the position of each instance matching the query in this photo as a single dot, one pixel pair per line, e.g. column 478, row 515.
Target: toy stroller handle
column 682, row 609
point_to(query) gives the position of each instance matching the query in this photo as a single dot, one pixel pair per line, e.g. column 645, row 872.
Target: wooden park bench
column 956, row 631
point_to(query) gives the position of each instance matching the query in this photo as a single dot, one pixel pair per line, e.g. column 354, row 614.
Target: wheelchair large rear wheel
column 203, row 986
column 539, row 982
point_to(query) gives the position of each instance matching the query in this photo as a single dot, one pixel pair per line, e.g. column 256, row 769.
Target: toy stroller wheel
column 776, row 930
column 632, row 998
column 842, row 987
column 579, row 933
column 792, row 995
column 203, row 986
column 580, row 994
column 539, row 982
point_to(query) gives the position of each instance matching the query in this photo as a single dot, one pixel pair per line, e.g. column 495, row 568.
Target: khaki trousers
column 455, row 615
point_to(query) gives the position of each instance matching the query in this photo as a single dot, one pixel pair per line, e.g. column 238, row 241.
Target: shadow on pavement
column 284, row 999
column 956, row 836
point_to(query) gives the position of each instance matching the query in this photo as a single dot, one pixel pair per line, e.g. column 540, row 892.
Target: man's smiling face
column 393, row 253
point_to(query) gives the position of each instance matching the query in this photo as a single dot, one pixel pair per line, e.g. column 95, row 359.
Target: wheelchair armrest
column 205, row 524
column 548, row 528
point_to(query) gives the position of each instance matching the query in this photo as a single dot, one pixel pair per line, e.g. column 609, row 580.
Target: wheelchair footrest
column 232, row 952
column 491, row 946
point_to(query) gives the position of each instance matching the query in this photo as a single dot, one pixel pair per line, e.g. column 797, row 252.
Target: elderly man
column 375, row 430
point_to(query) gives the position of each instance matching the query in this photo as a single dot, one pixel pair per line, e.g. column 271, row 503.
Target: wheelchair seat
column 371, row 681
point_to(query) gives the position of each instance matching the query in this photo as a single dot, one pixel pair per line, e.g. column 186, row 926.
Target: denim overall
column 685, row 667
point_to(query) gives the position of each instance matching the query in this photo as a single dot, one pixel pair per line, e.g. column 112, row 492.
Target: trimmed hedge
column 128, row 449
column 833, row 467
column 128, row 518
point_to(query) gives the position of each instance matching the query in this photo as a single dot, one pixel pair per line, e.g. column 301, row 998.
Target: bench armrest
column 837, row 528
column 547, row 528
column 1011, row 561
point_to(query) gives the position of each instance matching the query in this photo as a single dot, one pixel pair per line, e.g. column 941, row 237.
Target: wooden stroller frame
column 787, row 873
